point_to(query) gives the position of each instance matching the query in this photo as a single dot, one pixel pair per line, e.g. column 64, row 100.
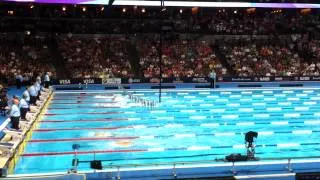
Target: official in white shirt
column 15, row 114
column 24, row 107
column 212, row 77
column 46, row 80
column 27, row 94
column 19, row 80
column 38, row 88
column 33, row 94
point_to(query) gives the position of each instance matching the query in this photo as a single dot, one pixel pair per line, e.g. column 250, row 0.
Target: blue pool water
column 189, row 125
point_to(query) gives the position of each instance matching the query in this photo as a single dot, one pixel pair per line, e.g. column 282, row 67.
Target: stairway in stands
column 57, row 60
column 223, row 59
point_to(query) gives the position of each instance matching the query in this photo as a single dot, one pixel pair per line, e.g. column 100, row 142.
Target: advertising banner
column 112, row 81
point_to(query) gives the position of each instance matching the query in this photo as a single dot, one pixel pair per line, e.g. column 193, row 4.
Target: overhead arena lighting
column 177, row 3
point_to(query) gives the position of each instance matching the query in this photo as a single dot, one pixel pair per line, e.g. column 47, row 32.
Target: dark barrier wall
column 181, row 80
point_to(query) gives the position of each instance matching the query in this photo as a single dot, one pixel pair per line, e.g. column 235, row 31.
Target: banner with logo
column 78, row 81
column 268, row 79
column 112, row 81
column 182, row 80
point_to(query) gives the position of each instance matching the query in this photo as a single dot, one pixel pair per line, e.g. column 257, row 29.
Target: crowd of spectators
column 261, row 58
column 312, row 66
column 3, row 99
column 186, row 54
column 180, row 58
column 294, row 55
column 290, row 56
column 23, row 59
column 94, row 57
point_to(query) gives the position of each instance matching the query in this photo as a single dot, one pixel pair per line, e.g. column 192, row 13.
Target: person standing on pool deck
column 212, row 77
column 46, row 80
column 26, row 94
column 19, row 80
column 15, row 114
column 38, row 87
column 33, row 94
column 24, row 107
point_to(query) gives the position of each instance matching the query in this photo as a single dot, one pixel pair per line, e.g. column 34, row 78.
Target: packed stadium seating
column 93, row 57
column 287, row 42
column 180, row 58
column 260, row 58
column 26, row 57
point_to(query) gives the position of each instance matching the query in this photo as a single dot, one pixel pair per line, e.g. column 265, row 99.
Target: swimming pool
column 189, row 125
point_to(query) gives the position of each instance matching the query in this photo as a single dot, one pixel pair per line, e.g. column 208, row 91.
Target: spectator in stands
column 15, row 114
column 3, row 100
